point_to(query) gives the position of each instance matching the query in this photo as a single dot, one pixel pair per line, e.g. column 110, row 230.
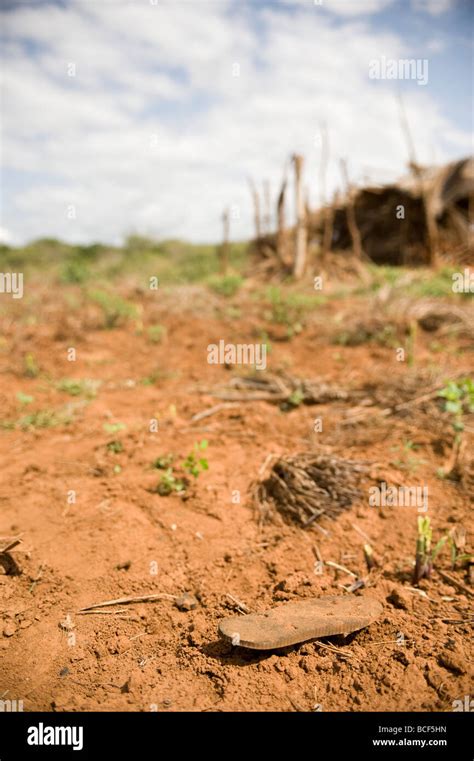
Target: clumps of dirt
column 306, row 486
column 281, row 388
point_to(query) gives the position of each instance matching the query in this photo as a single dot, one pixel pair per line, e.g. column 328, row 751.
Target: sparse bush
column 79, row 387
column 289, row 309
column 115, row 309
column 114, row 427
column 116, row 447
column 24, row 399
column 227, row 286
column 459, row 396
column 75, row 271
column 31, row 366
column 156, row 333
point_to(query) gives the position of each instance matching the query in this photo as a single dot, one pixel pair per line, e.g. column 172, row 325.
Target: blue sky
column 148, row 116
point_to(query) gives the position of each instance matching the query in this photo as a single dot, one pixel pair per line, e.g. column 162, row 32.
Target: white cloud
column 6, row 237
column 154, row 133
column 355, row 7
column 433, row 7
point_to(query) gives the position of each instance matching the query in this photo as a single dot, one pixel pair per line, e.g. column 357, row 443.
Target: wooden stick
column 329, row 213
column 103, row 613
column 224, row 248
column 336, row 650
column 323, row 131
column 341, row 568
column 452, row 580
column 128, row 600
column 212, row 410
column 267, row 217
column 250, row 396
column 256, row 208
column 281, row 226
column 299, row 263
column 350, row 213
column 238, row 603
column 13, row 543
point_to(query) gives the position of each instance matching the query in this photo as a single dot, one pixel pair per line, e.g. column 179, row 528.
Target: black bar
column 157, row 735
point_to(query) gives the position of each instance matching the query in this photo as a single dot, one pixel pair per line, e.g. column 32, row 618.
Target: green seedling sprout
column 31, row 366
column 171, row 481
column 193, row 464
column 459, row 396
column 425, row 556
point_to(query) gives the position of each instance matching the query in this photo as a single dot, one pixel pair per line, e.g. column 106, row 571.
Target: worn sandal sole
column 300, row 621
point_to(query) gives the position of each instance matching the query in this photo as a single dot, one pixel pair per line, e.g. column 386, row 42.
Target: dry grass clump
column 303, row 487
column 281, row 389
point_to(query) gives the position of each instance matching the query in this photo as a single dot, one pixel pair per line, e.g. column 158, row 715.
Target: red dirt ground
column 153, row 656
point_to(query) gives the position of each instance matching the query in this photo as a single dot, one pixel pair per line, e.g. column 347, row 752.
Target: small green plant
column 156, row 333
column 411, row 343
column 163, row 462
column 44, row 419
column 432, row 284
column 115, row 447
column 295, row 399
column 227, row 285
column 457, row 544
column 425, row 556
column 114, row 427
column 75, row 271
column 459, row 396
column 289, row 309
column 24, row 399
column 169, row 483
column 115, row 309
column 31, row 366
column 193, row 464
column 77, row 387
column 171, row 480
column 407, row 460
column 233, row 312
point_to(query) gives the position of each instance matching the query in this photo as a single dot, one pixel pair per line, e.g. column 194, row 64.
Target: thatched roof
column 393, row 219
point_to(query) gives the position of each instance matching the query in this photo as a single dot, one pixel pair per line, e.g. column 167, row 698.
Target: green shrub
column 156, row 333
column 227, row 285
column 115, row 309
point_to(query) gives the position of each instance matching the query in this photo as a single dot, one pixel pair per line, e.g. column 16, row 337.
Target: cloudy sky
column 148, row 116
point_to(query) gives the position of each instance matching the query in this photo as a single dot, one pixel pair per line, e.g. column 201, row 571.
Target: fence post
column 300, row 250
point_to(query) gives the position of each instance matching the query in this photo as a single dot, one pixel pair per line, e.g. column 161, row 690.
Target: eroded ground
column 120, row 538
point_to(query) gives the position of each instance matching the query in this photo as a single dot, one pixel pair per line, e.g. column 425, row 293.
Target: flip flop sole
column 300, row 621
